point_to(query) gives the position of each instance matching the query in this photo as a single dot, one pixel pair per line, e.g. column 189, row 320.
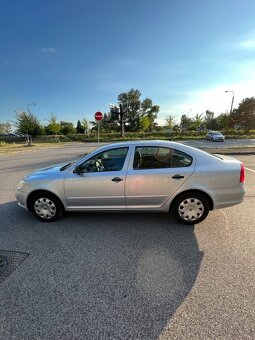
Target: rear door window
column 160, row 158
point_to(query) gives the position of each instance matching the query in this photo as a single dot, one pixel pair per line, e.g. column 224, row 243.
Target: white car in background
column 215, row 136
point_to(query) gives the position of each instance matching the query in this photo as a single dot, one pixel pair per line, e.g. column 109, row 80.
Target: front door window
column 110, row 160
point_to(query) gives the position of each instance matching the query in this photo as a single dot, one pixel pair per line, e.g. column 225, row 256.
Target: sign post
column 98, row 117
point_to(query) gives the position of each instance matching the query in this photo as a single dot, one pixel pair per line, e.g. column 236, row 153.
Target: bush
column 115, row 136
column 11, row 139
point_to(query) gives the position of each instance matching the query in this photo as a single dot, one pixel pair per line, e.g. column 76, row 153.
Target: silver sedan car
column 215, row 136
column 136, row 176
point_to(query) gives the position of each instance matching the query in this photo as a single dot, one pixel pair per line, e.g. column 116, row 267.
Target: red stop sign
column 98, row 116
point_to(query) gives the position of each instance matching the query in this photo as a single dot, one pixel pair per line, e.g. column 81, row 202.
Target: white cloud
column 246, row 44
column 49, row 49
column 214, row 99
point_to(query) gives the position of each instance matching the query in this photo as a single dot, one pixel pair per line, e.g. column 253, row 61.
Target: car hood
column 50, row 171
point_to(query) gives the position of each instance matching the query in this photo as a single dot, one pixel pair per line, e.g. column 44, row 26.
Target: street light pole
column 29, row 140
column 232, row 102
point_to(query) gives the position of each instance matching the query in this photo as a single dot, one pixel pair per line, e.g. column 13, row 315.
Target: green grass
column 7, row 148
column 13, row 144
column 51, row 139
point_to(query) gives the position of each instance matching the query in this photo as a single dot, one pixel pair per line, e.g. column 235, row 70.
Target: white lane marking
column 249, row 169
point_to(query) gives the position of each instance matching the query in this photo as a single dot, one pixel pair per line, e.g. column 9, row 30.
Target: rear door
column 154, row 174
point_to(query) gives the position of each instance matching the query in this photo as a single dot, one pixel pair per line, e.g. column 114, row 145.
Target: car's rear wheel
column 190, row 208
column 46, row 207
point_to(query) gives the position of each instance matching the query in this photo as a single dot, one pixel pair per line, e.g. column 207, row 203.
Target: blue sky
column 73, row 57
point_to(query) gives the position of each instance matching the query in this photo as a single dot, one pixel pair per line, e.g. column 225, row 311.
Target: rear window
column 159, row 158
column 180, row 159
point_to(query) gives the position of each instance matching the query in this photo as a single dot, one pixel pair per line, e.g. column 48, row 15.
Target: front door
column 99, row 183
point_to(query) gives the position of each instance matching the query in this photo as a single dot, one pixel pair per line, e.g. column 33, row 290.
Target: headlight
column 20, row 185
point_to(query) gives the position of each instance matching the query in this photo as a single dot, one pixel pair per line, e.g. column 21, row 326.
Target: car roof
column 152, row 142
column 163, row 143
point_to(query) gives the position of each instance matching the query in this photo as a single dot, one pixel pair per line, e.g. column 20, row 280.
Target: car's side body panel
column 95, row 191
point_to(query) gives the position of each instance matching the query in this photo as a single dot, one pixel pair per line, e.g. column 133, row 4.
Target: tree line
column 140, row 116
column 241, row 118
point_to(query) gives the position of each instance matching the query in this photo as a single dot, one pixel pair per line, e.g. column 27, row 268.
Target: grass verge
column 8, row 148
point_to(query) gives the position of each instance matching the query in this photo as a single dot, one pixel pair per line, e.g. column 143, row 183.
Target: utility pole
column 123, row 112
column 118, row 113
column 122, row 126
column 232, row 101
column 29, row 137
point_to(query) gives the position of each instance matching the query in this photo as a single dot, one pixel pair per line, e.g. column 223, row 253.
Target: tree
column 79, row 127
column 144, row 123
column 5, row 128
column 244, row 115
column 137, row 109
column 27, row 123
column 53, row 128
column 224, row 121
column 197, row 121
column 2, row 128
column 85, row 125
column 185, row 122
column 170, row 122
column 132, row 100
column 105, row 124
column 66, row 128
column 151, row 111
column 210, row 120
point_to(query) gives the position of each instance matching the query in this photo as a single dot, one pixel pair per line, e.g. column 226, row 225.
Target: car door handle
column 177, row 176
column 117, row 179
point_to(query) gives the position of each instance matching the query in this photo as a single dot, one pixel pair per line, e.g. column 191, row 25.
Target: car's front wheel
column 190, row 208
column 46, row 207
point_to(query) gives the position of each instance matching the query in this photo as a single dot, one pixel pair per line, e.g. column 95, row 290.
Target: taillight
column 242, row 176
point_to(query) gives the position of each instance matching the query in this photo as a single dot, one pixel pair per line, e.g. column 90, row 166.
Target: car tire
column 190, row 208
column 46, row 207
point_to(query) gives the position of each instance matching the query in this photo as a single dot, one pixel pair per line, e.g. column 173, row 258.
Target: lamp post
column 233, row 96
column 29, row 138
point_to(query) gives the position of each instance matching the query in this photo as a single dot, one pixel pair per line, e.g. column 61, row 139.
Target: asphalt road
column 125, row 276
column 200, row 143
